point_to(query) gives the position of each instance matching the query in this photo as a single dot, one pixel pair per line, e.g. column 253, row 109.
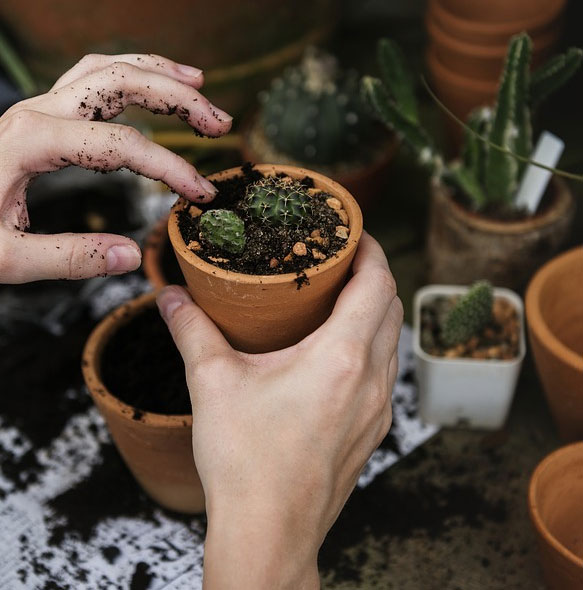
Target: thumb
column 196, row 336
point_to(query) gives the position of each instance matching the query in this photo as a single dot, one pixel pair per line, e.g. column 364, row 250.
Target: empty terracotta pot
column 265, row 313
column 555, row 502
column 157, row 448
column 554, row 312
column 463, row 246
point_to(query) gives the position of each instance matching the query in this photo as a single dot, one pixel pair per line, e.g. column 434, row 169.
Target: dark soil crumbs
column 265, row 243
column 498, row 340
column 143, row 368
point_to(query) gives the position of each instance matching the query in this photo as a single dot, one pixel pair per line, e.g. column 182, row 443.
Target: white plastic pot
column 464, row 392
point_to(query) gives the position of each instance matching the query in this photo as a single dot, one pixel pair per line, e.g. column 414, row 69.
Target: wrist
column 257, row 548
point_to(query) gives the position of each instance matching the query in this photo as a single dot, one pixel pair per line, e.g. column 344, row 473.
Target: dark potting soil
column 142, row 367
column 265, row 243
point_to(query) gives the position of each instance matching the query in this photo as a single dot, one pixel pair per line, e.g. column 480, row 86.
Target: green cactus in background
column 224, row 229
column 314, row 113
column 277, row 201
column 469, row 315
column 486, row 175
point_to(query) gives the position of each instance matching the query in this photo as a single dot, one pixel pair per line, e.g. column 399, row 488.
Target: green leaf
column 396, row 78
column 468, row 183
column 474, row 149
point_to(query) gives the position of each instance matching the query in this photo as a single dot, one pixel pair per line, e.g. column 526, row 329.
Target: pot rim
column 534, row 513
column 91, row 361
column 437, row 289
column 349, row 202
column 540, row 20
column 562, row 203
column 534, row 316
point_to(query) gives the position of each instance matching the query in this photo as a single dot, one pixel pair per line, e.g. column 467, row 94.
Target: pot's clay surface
column 554, row 311
column 265, row 313
column 152, row 257
column 555, row 505
column 156, row 448
column 463, row 247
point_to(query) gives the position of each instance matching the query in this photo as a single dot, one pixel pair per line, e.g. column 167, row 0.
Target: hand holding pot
column 66, row 127
column 280, row 438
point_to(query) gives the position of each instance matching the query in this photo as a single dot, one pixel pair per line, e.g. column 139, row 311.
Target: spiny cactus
column 314, row 113
column 470, row 314
column 487, row 176
column 277, row 201
column 224, row 229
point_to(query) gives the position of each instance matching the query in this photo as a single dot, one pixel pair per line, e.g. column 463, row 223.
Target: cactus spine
column 277, row 201
column 224, row 229
column 487, row 176
column 470, row 314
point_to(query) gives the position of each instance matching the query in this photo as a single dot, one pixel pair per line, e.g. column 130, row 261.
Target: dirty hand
column 280, row 438
column 66, row 127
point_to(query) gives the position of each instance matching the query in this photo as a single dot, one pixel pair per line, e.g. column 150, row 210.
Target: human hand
column 66, row 127
column 280, row 438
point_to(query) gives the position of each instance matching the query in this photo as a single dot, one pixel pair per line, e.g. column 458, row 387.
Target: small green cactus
column 470, row 314
column 314, row 113
column 277, row 201
column 224, row 229
column 486, row 175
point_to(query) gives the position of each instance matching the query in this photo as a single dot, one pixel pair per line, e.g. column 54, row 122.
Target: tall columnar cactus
column 314, row 113
column 277, row 201
column 487, row 175
column 470, row 314
column 224, row 229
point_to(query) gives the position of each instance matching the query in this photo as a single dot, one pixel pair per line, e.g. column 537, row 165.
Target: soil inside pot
column 269, row 250
column 142, row 367
column 498, row 340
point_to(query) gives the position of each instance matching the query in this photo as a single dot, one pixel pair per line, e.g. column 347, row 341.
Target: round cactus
column 469, row 315
column 224, row 229
column 277, row 201
column 314, row 113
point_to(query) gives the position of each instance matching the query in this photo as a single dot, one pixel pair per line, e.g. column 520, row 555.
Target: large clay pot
column 554, row 311
column 554, row 502
column 157, row 448
column 463, row 246
column 265, row 313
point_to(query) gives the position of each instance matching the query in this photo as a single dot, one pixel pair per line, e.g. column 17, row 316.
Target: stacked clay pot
column 468, row 40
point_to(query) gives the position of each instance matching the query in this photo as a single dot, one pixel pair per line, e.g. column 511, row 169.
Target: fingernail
column 189, row 70
column 169, row 300
column 122, row 259
column 208, row 187
column 220, row 114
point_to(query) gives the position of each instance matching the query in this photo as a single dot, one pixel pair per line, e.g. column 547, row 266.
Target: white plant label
column 548, row 150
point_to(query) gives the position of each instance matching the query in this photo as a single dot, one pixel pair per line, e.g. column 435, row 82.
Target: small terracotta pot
column 363, row 182
column 463, row 246
column 555, row 506
column 554, row 312
column 157, row 448
column 265, row 313
column 152, row 254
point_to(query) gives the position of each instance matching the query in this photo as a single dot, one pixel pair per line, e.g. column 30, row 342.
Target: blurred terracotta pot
column 152, row 254
column 554, row 311
column 555, row 502
column 463, row 246
column 157, row 448
column 264, row 313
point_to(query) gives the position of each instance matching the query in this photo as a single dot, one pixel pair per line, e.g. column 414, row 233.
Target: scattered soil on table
column 268, row 249
column 142, row 367
column 499, row 340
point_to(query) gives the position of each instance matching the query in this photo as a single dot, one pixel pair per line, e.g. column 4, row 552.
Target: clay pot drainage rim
column 91, row 366
column 532, row 504
column 534, row 316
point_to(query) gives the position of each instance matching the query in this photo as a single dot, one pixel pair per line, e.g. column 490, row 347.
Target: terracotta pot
column 504, row 13
column 265, row 313
column 463, row 246
column 152, row 254
column 157, row 448
column 555, row 506
column 554, row 314
column 365, row 182
column 482, row 61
